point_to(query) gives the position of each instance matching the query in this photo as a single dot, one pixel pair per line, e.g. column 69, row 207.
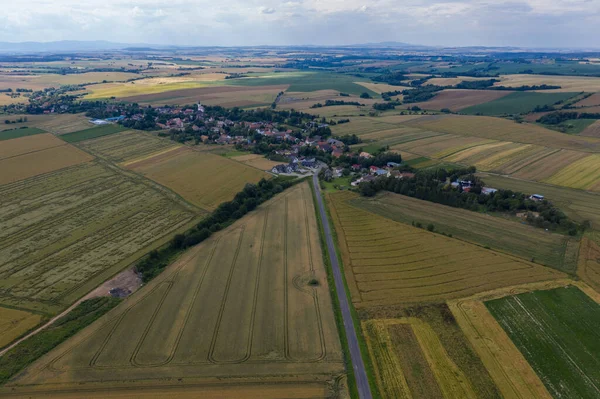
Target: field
column 16, row 133
column 556, row 330
column 63, row 233
column 567, row 83
column 14, row 323
column 42, row 81
column 54, row 123
column 247, row 288
column 256, row 161
column 527, row 242
column 589, row 259
column 128, row 146
column 30, row 156
column 592, row 131
column 518, row 103
column 578, row 205
column 591, row 101
column 91, row 133
column 204, row 179
column 502, row 129
column 456, row 99
column 381, row 87
column 582, row 174
column 388, row 263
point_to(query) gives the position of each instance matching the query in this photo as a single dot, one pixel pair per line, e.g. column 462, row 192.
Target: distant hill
column 64, row 46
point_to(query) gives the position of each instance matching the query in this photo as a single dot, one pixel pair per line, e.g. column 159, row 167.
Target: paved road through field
column 362, row 382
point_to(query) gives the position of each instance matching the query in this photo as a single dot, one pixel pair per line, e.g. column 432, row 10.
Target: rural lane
column 362, row 382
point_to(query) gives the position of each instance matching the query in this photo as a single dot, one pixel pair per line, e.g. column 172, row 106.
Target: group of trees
column 556, row 118
column 434, row 186
column 331, row 103
column 245, row 201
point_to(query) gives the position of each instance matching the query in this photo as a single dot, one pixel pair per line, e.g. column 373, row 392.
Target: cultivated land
column 518, row 103
column 64, row 232
column 388, row 263
column 92, row 133
column 16, row 133
column 239, row 305
column 457, row 99
column 589, row 260
column 256, row 161
column 128, row 146
column 567, row 83
column 204, row 179
column 592, row 131
column 557, row 332
column 582, row 174
column 14, row 323
column 528, row 242
column 30, row 156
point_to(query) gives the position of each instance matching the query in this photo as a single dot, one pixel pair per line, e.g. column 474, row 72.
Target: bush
column 430, row 227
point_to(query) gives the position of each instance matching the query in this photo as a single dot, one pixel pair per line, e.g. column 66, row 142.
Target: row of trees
column 434, row 186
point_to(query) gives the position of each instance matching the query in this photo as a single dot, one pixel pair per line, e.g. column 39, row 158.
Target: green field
column 577, row 204
column 517, row 103
column 572, row 126
column 307, row 81
column 557, row 332
column 92, row 133
column 525, row 241
column 16, row 133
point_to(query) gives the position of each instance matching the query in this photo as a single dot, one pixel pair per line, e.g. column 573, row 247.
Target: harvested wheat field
column 410, row 361
column 35, row 155
column 566, row 83
column 582, row 174
column 14, row 323
column 592, row 130
column 241, row 304
column 502, row 129
column 256, row 161
column 128, row 146
column 204, row 179
column 388, row 263
column 456, row 99
column 65, row 232
column 549, row 165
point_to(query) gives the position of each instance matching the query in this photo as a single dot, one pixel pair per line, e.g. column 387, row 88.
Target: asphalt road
column 362, row 383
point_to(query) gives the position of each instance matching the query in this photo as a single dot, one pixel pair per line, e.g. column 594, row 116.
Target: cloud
column 548, row 23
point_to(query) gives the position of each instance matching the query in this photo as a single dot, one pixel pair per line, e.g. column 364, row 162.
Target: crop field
column 381, row 87
column 578, row 205
column 505, row 130
column 92, row 133
column 14, row 323
column 21, row 132
column 457, row 99
column 128, row 146
column 53, row 123
column 204, row 179
column 226, row 96
column 63, row 233
column 567, row 83
column 30, row 156
column 363, row 125
column 304, row 100
column 557, row 332
column 338, row 111
column 527, row 242
column 589, row 259
column 518, row 103
column 452, row 81
column 256, row 161
column 42, row 81
column 582, row 174
column 591, row 101
column 549, row 165
column 438, row 147
column 410, row 361
column 247, row 289
column 388, row 263
column 592, row 130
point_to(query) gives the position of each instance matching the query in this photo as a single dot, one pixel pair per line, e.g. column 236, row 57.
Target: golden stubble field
column 65, row 232
column 239, row 305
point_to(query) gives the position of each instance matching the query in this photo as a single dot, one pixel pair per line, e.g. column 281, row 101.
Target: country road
column 362, row 382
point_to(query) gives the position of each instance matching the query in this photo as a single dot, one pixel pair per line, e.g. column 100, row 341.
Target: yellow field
column 452, row 81
column 522, row 159
column 14, row 323
column 256, row 161
column 204, row 179
column 460, row 145
column 239, row 305
column 505, row 130
column 474, row 154
column 549, row 165
column 392, row 375
column 567, row 83
column 42, row 81
column 27, row 164
column 589, row 260
column 583, row 174
column 381, row 87
column 55, row 123
column 28, row 144
column 390, row 263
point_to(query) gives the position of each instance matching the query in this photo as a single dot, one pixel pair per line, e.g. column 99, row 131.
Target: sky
column 525, row 23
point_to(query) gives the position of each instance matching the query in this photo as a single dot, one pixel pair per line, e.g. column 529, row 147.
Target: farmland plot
column 456, row 99
column 241, row 304
column 63, row 233
column 14, row 322
column 557, row 332
column 583, row 174
column 389, row 262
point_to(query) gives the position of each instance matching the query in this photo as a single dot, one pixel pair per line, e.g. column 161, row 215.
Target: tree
column 365, row 95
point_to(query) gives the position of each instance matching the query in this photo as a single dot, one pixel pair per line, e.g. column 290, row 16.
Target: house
column 362, row 180
column 335, row 143
column 309, row 162
column 175, row 123
column 116, row 118
column 99, row 122
column 323, row 146
column 402, row 175
column 392, row 165
column 290, row 168
column 337, row 172
column 488, row 190
column 373, row 168
column 382, row 172
column 365, row 155
column 537, row 197
column 336, row 153
column 356, row 167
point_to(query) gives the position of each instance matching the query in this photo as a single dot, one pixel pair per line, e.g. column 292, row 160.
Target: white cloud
column 231, row 22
